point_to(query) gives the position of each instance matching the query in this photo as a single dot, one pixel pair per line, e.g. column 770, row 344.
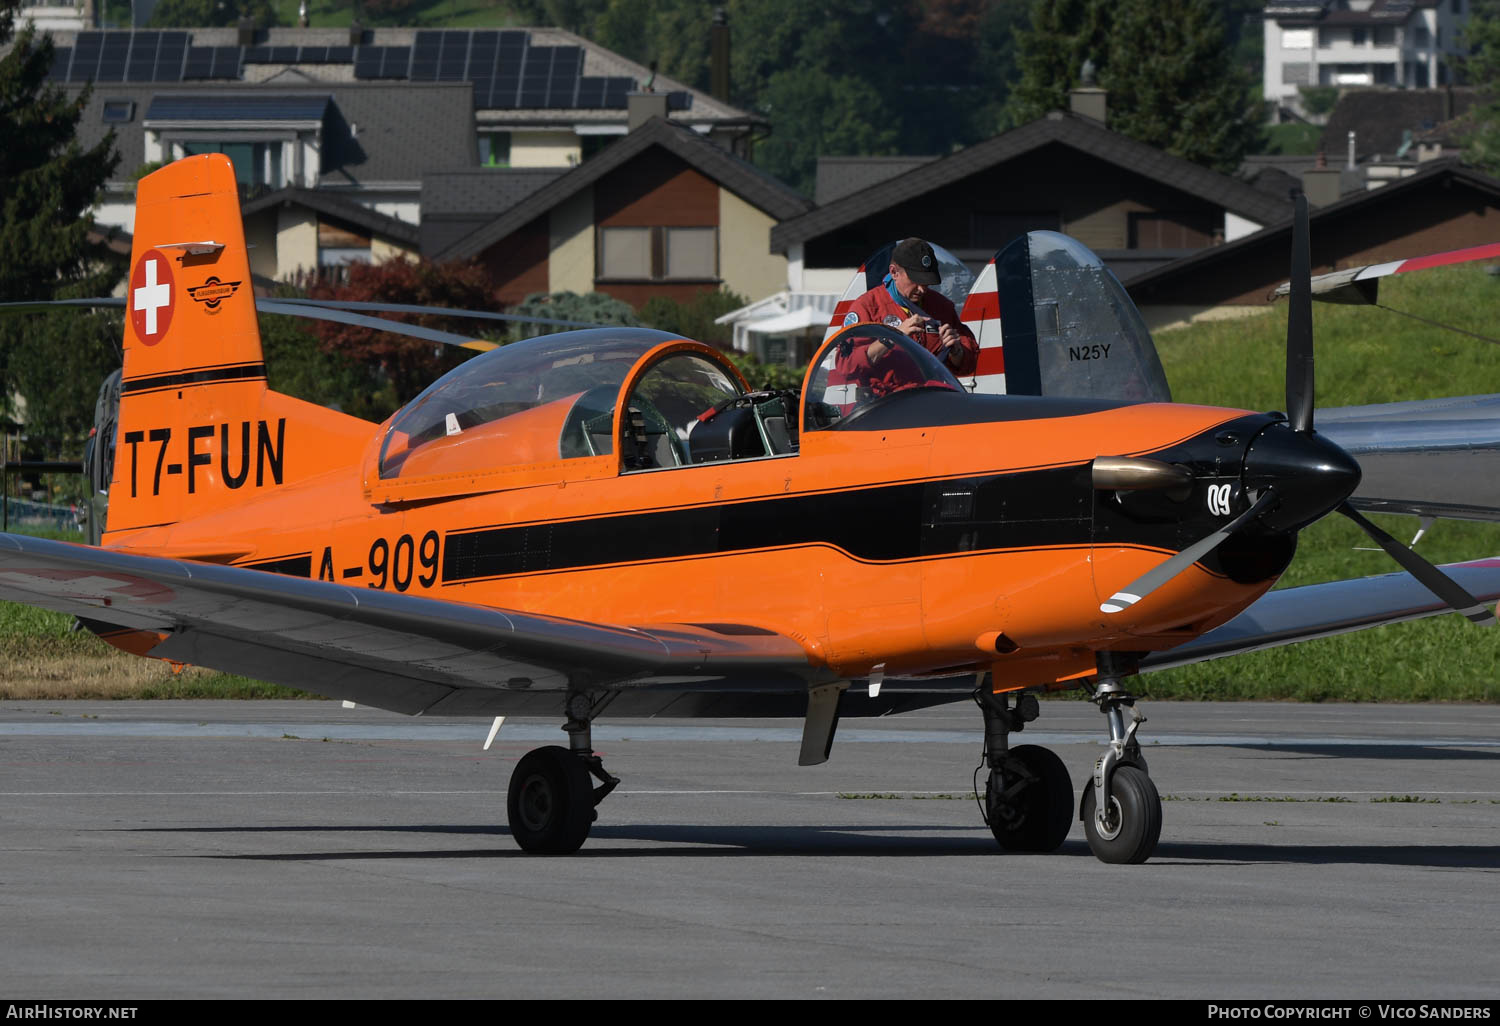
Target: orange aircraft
column 611, row 515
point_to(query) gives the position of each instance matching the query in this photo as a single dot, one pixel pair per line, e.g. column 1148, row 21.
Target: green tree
column 48, row 185
column 695, row 318
column 1173, row 82
column 1050, row 52
column 815, row 115
column 212, row 13
column 410, row 365
column 588, row 308
column 1482, row 69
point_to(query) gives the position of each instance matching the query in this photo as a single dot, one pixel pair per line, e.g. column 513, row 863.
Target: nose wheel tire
column 1029, row 814
column 1128, row 832
column 550, row 804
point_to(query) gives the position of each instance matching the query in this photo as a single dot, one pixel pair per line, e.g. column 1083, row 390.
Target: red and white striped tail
column 981, row 314
column 852, row 291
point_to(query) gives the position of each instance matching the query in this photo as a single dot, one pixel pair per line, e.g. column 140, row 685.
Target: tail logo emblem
column 151, row 297
column 213, row 292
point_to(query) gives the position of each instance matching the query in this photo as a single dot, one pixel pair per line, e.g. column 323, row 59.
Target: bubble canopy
column 523, row 403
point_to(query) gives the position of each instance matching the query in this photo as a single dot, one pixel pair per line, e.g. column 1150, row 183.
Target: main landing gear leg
column 1028, row 797
column 1121, row 810
column 551, row 800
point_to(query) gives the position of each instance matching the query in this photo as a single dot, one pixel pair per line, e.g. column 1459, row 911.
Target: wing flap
column 378, row 648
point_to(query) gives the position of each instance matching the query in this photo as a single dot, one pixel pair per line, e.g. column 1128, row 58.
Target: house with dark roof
column 292, row 230
column 1135, row 205
column 362, row 113
column 662, row 212
column 1444, row 206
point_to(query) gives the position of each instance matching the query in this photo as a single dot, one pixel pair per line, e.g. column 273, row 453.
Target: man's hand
column 949, row 336
column 914, row 323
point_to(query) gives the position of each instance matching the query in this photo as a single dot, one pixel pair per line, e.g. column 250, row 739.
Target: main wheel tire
column 1131, row 831
column 550, row 804
column 1040, row 816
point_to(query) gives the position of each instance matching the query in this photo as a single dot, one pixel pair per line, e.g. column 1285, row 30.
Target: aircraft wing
column 1431, row 457
column 1321, row 610
column 1361, row 284
column 400, row 652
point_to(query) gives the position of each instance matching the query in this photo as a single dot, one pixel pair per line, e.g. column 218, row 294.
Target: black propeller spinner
column 1295, row 475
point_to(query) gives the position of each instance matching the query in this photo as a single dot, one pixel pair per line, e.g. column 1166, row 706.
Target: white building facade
column 1402, row 43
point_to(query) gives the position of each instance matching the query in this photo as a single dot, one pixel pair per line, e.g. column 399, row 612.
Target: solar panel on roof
column 453, row 59
column 425, row 54
column 141, row 59
column 590, row 91
column 681, row 100
column 86, row 48
column 200, row 62
column 169, row 57
column 257, row 54
column 340, row 54
column 226, row 62
column 62, row 56
column 113, row 56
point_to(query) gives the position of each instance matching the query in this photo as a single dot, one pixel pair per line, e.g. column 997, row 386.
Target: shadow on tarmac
column 697, row 841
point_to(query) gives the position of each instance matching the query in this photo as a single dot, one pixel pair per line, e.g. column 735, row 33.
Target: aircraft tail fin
column 198, row 429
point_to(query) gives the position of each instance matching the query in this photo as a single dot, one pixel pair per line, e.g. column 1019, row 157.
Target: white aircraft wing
column 400, row 652
column 1361, row 284
column 1321, row 610
column 1429, row 457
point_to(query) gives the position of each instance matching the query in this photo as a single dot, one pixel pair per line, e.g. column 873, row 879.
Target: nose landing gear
column 1121, row 810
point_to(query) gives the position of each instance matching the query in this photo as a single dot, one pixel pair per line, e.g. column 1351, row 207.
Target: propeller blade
column 375, row 323
column 1157, row 576
column 1435, row 581
column 443, row 311
column 1299, row 338
column 43, row 305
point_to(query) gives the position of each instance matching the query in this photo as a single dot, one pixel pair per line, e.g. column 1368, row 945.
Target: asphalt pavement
column 304, row 850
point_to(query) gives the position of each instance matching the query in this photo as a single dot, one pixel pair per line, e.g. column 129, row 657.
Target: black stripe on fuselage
column 882, row 524
column 201, row 376
column 293, row 566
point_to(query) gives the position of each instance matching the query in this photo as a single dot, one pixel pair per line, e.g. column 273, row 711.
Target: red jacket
column 878, row 306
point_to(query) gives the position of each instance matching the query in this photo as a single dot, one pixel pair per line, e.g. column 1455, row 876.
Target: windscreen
column 1085, row 337
column 511, row 387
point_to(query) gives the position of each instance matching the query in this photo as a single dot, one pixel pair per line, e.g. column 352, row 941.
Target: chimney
column 718, row 55
column 1321, row 183
column 247, row 31
column 642, row 107
column 1088, row 99
column 356, row 33
column 1353, row 162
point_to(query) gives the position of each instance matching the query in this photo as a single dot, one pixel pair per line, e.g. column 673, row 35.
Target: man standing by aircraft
column 905, row 302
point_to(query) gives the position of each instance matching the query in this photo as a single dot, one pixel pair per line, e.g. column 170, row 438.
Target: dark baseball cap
column 918, row 260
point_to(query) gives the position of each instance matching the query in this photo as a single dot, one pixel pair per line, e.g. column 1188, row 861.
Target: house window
column 692, row 253
column 625, row 253
column 338, row 247
column 1296, row 73
column 494, row 149
column 1296, row 39
column 1457, row 7
column 1170, row 231
column 1385, row 35
column 116, row 111
column 1420, row 35
column 658, row 253
column 255, row 163
column 1327, row 37
column 1357, row 36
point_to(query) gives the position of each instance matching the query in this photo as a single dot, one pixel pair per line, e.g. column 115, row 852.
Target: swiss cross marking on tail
column 151, row 302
